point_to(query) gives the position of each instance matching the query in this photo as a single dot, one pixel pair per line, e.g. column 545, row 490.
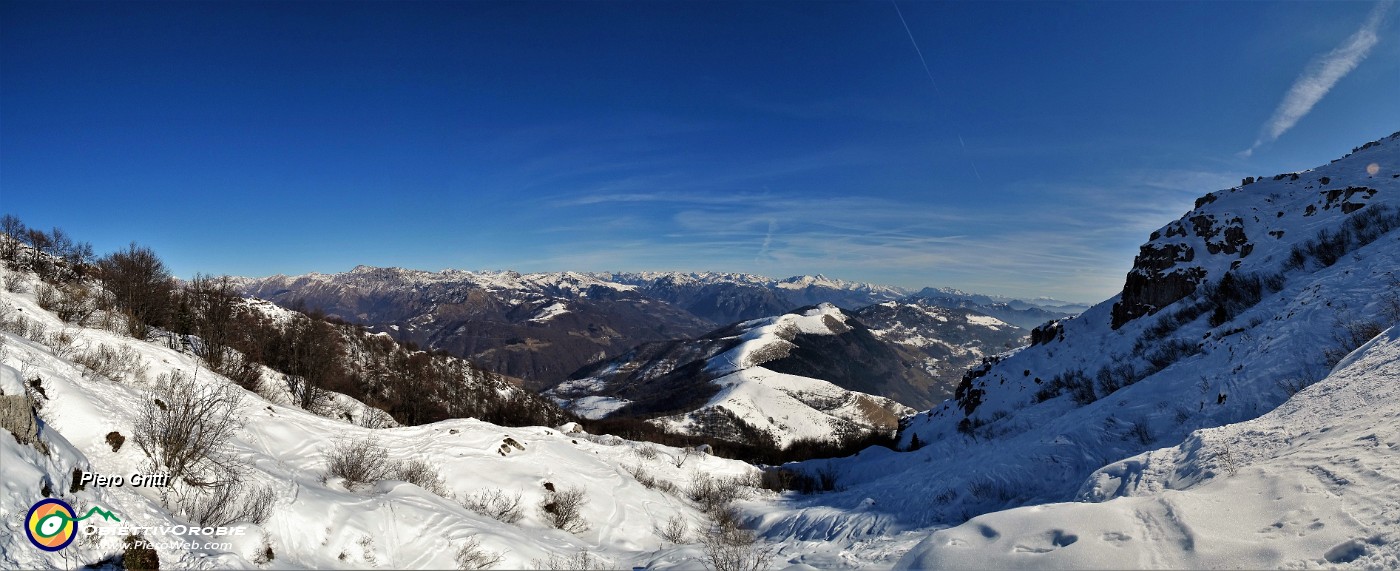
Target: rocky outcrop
column 17, row 416
column 1163, row 272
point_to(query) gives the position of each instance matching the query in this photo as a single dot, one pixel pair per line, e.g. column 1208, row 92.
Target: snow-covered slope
column 317, row 522
column 1187, row 348
column 742, row 379
column 1314, row 483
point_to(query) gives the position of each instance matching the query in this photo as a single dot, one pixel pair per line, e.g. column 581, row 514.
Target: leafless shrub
column 1141, row 433
column 1291, row 385
column 37, row 332
column 185, row 428
column 1227, row 460
column 782, row 479
column 495, row 504
column 46, row 296
column 646, row 451
column 988, row 489
column 715, row 494
column 676, row 530
column 564, row 509
column 642, row 476
column 74, row 304
column 1350, row 335
column 111, row 321
column 230, row 502
column 730, row 547
column 14, row 282
column 141, row 287
column 650, row 482
column 581, row 561
column 421, row 473
column 472, row 556
column 63, row 342
column 11, row 323
column 361, row 461
column 1390, row 301
column 119, row 364
column 371, row 417
column 366, row 544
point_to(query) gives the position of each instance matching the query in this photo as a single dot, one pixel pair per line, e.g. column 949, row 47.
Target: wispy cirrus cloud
column 1320, row 76
column 1072, row 240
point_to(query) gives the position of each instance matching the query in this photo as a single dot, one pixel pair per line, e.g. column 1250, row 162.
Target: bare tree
column 312, row 353
column 14, row 232
column 140, row 285
column 213, row 306
column 39, row 241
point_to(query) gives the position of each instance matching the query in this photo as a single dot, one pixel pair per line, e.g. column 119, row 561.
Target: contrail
column 929, row 73
column 1320, row 76
column 916, row 47
column 767, row 240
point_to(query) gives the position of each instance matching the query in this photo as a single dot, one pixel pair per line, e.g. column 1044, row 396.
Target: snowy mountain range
column 542, row 327
column 537, row 327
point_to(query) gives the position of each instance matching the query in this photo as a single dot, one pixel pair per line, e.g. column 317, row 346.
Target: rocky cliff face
column 1223, row 230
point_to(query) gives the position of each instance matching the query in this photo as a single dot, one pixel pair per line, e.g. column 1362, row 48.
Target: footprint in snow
column 1047, row 542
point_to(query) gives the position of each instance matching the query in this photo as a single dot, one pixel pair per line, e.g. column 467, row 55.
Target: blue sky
column 1041, row 146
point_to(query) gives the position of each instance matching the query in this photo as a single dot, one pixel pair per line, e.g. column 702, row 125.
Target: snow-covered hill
column 746, row 379
column 315, row 521
column 1228, row 311
column 1314, row 483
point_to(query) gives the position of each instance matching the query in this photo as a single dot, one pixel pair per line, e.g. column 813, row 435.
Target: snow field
column 1312, row 484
